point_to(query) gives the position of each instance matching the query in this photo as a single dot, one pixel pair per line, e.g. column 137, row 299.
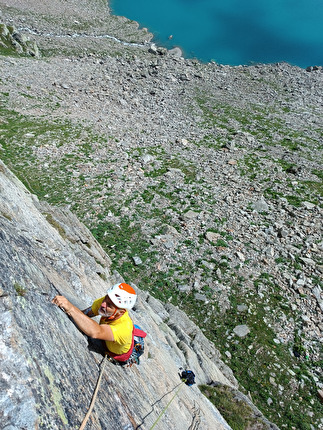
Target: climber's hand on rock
column 62, row 303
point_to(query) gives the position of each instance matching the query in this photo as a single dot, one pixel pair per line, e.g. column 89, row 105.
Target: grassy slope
column 254, row 359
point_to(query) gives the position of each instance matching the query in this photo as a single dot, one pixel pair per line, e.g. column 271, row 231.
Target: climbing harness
column 138, row 346
column 87, row 416
column 136, row 350
column 188, row 378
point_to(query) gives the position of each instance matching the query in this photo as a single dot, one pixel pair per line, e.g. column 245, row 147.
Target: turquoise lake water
column 234, row 32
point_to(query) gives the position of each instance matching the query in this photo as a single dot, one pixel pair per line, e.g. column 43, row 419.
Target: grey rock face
column 241, row 330
column 48, row 368
column 212, row 237
column 177, row 52
column 137, row 260
column 261, row 206
column 201, row 297
column 242, row 308
column 184, row 288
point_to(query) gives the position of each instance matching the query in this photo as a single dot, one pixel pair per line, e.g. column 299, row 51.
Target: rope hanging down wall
column 187, row 376
column 87, row 416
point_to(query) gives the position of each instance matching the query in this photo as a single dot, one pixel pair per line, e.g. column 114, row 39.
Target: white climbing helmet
column 122, row 295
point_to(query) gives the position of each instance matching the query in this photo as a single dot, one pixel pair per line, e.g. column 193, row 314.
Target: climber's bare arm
column 85, row 324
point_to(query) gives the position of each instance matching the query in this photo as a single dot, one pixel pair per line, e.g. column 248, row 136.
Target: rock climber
column 115, row 326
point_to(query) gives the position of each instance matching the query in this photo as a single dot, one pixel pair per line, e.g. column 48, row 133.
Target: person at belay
column 115, row 326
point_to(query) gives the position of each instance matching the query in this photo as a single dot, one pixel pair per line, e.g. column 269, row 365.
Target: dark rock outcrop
column 13, row 40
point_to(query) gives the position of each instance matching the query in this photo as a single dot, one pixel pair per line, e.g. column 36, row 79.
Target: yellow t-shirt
column 121, row 329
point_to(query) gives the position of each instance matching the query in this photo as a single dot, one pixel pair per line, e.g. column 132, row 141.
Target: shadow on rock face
column 97, row 345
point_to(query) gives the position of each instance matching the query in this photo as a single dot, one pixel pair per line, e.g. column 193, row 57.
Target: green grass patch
column 314, row 187
column 20, row 290
column 318, row 173
column 258, row 357
column 238, row 414
column 56, row 225
column 221, row 243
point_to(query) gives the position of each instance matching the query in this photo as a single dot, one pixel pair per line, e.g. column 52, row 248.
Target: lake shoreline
column 239, row 46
